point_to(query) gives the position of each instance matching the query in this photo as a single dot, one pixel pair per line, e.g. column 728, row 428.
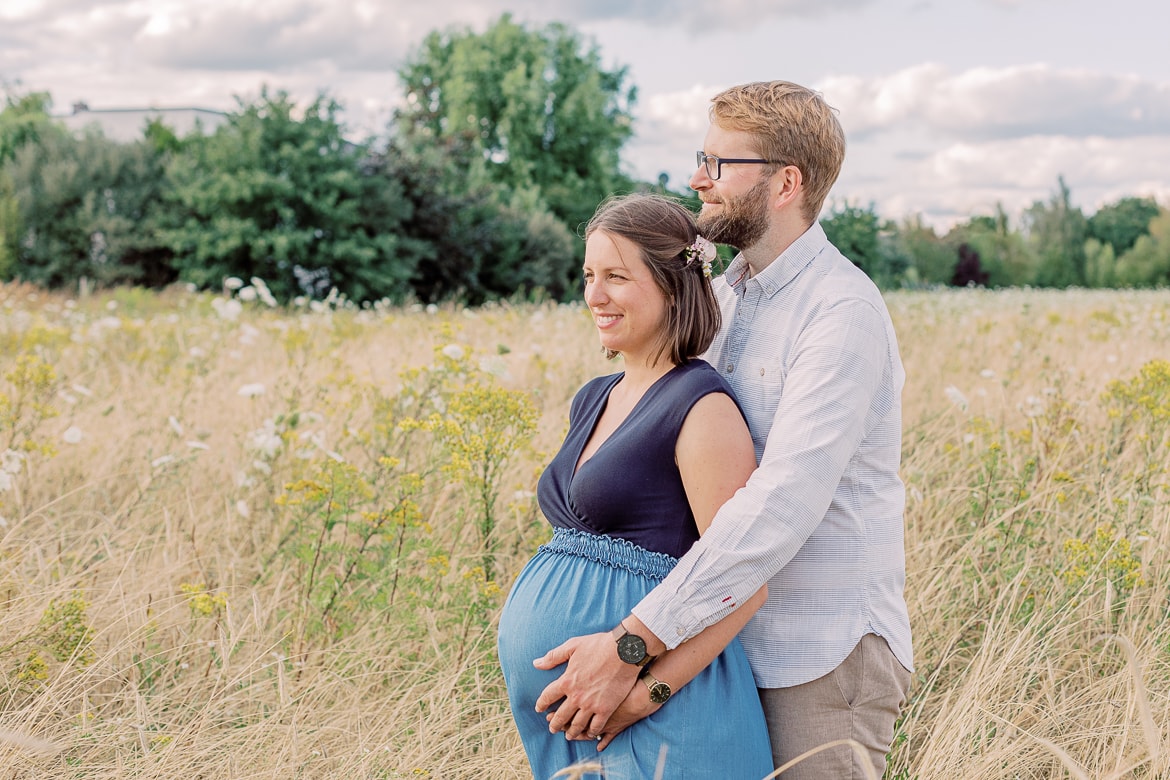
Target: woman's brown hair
column 663, row 230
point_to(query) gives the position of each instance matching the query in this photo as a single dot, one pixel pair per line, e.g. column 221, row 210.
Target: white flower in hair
column 702, row 250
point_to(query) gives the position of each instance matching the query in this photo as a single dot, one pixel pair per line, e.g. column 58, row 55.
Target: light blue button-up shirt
column 810, row 351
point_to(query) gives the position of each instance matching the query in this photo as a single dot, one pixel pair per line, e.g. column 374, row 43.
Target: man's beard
column 741, row 221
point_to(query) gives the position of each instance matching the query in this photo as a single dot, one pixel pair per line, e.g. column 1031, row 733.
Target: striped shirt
column 809, row 349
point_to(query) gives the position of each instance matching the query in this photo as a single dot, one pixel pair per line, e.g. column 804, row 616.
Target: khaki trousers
column 859, row 700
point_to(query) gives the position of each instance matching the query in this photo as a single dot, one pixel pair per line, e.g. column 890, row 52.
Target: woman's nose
column 594, row 293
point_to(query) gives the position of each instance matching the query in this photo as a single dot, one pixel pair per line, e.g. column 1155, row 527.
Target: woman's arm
column 715, row 458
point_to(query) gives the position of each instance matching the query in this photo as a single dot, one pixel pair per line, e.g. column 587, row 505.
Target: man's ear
column 788, row 185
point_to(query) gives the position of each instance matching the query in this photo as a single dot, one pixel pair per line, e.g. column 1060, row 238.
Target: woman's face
column 628, row 307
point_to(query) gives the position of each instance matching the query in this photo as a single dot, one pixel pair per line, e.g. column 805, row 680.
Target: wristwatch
column 631, row 648
column 659, row 691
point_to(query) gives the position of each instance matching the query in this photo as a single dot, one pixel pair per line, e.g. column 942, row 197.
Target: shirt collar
column 784, row 268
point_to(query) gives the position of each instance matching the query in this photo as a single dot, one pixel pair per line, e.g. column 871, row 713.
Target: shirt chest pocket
column 759, row 387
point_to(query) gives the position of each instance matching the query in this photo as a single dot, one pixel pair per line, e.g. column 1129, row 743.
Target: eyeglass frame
column 702, row 160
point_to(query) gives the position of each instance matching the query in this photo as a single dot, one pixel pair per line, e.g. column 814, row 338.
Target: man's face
column 735, row 207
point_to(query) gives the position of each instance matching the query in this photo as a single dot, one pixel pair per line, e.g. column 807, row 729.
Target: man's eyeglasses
column 714, row 165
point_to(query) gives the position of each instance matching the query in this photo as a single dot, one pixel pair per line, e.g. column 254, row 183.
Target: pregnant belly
column 557, row 597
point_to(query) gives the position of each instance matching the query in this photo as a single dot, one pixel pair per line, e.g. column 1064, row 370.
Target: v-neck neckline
column 579, row 464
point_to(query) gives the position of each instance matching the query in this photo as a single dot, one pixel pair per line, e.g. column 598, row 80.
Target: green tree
column 931, row 260
column 1003, row 254
column 23, row 120
column 1120, row 224
column 9, row 226
column 867, row 240
column 87, row 207
column 529, row 112
column 1147, row 264
column 280, row 194
column 471, row 246
column 1057, row 231
column 1100, row 264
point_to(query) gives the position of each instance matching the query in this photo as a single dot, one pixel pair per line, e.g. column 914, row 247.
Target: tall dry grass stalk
column 159, row 619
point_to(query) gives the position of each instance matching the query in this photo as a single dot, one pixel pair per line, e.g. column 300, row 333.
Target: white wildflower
column 198, row 445
column 956, row 397
column 987, row 373
column 11, row 461
column 176, row 426
column 227, row 309
column 161, row 461
column 242, row 509
column 251, row 390
column 249, row 334
column 432, row 308
column 247, row 294
column 453, row 351
column 72, row 435
column 233, row 283
column 1033, row 406
column 265, row 441
column 496, row 367
column 263, row 292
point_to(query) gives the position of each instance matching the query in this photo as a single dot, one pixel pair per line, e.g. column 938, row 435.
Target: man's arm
column 833, row 392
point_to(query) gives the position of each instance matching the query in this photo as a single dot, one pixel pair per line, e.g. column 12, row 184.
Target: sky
column 952, row 108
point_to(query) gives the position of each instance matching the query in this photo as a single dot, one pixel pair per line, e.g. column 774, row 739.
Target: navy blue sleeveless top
column 631, row 487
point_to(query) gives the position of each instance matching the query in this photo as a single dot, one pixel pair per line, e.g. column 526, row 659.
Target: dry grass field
column 238, row 541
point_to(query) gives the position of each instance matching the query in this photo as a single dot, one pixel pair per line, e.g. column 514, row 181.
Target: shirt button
column 730, row 367
column 680, row 631
column 761, row 372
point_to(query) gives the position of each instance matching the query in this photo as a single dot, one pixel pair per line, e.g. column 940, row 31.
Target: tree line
column 506, row 142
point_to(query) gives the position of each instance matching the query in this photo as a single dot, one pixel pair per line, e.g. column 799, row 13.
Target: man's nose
column 699, row 179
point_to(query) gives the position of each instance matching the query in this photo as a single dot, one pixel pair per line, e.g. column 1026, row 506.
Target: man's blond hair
column 791, row 125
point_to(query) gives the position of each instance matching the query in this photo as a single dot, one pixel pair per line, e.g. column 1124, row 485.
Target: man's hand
column 636, row 706
column 592, row 686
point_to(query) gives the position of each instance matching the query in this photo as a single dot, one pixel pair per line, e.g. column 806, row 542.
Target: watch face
column 659, row 692
column 631, row 649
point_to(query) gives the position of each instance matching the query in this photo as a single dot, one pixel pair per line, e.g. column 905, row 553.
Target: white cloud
column 962, row 179
column 1034, row 99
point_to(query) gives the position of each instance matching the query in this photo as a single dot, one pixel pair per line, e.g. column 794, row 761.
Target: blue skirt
column 582, row 583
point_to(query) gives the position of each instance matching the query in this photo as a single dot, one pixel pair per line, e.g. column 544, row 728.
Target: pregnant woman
column 651, row 454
